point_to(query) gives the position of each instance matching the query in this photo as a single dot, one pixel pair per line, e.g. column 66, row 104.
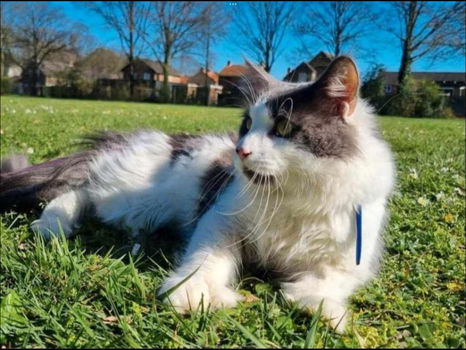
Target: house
column 150, row 70
column 311, row 70
column 148, row 75
column 50, row 73
column 200, row 83
column 230, row 78
column 452, row 84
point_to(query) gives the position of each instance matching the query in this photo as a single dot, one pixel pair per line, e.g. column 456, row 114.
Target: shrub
column 421, row 99
column 373, row 85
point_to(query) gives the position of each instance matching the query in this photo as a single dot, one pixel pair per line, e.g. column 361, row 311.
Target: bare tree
column 38, row 31
column 260, row 27
column 338, row 25
column 5, row 38
column 427, row 29
column 129, row 20
column 214, row 22
column 175, row 30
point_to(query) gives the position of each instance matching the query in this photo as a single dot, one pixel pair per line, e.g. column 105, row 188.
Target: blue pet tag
column 358, row 234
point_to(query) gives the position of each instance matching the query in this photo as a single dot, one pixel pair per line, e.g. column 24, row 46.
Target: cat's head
column 290, row 127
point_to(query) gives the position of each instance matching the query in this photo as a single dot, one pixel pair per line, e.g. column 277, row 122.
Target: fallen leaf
column 250, row 298
column 110, row 319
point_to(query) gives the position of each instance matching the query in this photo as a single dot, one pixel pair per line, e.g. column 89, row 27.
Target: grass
column 88, row 292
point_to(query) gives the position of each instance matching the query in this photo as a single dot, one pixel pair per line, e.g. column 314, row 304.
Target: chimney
column 202, row 69
column 288, row 70
column 228, row 63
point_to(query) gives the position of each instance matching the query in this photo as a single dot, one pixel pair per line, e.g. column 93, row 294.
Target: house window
column 302, row 77
column 388, row 89
column 146, row 76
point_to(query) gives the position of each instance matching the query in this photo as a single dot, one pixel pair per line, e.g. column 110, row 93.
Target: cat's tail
column 24, row 186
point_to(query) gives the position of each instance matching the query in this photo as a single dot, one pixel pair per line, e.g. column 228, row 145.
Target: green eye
column 283, row 128
column 248, row 123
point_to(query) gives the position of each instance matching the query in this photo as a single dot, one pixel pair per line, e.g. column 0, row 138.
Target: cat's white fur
column 304, row 229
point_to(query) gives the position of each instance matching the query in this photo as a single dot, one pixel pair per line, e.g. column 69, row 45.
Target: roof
column 156, row 66
column 199, row 77
column 392, row 77
column 292, row 72
column 309, row 64
column 233, row 70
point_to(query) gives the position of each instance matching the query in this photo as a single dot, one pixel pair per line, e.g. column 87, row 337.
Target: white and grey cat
column 281, row 195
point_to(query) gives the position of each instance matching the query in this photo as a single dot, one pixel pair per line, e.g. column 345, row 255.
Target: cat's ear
column 256, row 80
column 340, row 83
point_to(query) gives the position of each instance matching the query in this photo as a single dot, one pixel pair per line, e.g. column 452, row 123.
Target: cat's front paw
column 50, row 227
column 334, row 312
column 198, row 289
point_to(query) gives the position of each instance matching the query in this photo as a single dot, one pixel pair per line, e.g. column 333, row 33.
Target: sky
column 382, row 45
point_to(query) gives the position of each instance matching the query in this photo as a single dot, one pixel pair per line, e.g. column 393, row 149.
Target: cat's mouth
column 258, row 178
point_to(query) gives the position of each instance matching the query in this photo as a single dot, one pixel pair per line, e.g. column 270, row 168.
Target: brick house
column 311, row 70
column 150, row 70
column 200, row 83
column 229, row 78
column 148, row 76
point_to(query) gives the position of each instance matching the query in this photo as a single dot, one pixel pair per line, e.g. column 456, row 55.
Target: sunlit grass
column 88, row 292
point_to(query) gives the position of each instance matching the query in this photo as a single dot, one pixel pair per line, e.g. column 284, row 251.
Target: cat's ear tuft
column 256, row 79
column 341, row 82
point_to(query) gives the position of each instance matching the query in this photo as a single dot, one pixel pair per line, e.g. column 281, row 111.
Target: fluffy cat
column 282, row 195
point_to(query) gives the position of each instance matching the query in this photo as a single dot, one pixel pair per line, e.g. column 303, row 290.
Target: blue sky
column 383, row 45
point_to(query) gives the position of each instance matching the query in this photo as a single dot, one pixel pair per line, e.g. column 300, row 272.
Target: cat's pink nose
column 243, row 152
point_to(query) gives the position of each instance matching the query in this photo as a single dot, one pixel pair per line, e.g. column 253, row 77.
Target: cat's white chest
column 295, row 241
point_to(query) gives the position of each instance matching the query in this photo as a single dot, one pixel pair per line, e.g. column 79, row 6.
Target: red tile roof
column 233, row 70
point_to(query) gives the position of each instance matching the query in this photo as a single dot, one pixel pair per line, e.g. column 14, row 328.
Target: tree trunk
column 406, row 58
column 206, row 77
column 131, row 50
column 34, row 78
column 165, row 91
column 405, row 66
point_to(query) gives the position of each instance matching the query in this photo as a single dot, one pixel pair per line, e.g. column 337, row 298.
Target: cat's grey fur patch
column 182, row 145
column 215, row 180
column 43, row 182
column 316, row 128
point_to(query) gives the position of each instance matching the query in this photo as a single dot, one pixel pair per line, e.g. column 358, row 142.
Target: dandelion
column 423, row 201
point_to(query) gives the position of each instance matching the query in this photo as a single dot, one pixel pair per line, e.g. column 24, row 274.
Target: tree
column 428, row 29
column 5, row 39
column 100, row 63
column 338, row 25
column 373, row 87
column 175, row 28
column 260, row 27
column 213, row 26
column 38, row 31
column 129, row 20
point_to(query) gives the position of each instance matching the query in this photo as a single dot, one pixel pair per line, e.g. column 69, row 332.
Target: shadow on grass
column 158, row 249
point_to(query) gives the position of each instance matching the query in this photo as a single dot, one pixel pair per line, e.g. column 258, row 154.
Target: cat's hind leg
column 61, row 214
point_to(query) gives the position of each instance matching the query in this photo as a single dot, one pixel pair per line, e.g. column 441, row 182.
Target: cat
column 282, row 194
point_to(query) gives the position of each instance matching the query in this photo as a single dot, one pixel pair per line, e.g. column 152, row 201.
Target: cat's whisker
column 250, row 202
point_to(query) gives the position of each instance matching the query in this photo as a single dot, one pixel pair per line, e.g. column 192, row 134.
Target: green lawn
column 87, row 292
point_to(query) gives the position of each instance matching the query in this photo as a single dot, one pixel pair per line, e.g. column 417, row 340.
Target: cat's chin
column 258, row 178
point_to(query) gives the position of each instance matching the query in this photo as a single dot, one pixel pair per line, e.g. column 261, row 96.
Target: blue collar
column 358, row 234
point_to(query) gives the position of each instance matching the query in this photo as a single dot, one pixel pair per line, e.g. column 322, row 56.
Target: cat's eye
column 283, row 128
column 248, row 123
